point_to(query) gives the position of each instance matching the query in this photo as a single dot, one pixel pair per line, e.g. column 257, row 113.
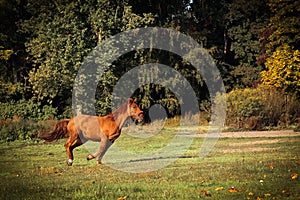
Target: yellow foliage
column 283, row 69
column 5, row 53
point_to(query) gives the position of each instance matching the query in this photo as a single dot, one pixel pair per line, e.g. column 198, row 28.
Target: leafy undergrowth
column 244, row 168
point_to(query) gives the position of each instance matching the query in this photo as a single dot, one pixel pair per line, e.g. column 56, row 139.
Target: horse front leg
column 105, row 144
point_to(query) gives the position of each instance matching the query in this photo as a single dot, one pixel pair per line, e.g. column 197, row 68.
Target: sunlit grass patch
column 39, row 171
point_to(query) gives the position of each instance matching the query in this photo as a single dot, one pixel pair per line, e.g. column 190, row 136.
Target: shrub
column 24, row 129
column 243, row 105
column 254, row 108
column 19, row 130
column 26, row 109
column 24, row 119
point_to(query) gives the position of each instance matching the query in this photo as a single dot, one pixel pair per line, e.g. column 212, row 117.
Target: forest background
column 255, row 45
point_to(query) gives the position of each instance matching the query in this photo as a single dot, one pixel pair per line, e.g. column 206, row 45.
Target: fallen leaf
column 219, row 189
column 294, row 176
column 233, row 189
column 250, row 193
column 205, row 193
column 267, row 195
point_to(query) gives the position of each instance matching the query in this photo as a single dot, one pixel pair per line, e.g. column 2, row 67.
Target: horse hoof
column 90, row 157
column 69, row 163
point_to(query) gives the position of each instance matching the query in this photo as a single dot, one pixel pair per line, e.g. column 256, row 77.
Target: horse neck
column 120, row 115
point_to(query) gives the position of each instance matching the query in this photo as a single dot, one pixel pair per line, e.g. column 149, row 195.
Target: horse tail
column 60, row 131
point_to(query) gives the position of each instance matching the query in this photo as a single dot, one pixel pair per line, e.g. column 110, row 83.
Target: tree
column 13, row 63
column 57, row 48
column 283, row 69
column 281, row 45
column 63, row 33
column 13, row 58
column 244, row 21
column 283, row 27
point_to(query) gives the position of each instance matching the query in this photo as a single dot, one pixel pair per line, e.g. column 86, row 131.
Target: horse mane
column 120, row 110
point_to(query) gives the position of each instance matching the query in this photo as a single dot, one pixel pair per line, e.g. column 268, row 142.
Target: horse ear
column 130, row 100
column 135, row 100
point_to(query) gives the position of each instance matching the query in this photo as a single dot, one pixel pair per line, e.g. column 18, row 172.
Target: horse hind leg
column 70, row 145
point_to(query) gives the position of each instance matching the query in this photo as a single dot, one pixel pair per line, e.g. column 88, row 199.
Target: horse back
column 94, row 128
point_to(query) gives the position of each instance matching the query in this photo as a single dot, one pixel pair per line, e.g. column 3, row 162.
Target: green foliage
column 26, row 110
column 243, row 26
column 71, row 30
column 283, row 25
column 243, row 104
column 244, row 22
column 60, row 41
column 259, row 107
column 13, row 58
column 43, row 44
column 23, row 120
column 20, row 129
column 10, row 91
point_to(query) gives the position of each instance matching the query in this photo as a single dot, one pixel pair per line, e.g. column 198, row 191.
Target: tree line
column 43, row 44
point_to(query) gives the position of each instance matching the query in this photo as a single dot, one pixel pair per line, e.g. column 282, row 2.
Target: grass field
column 237, row 168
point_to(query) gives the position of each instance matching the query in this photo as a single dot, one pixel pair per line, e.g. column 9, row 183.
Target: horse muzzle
column 139, row 118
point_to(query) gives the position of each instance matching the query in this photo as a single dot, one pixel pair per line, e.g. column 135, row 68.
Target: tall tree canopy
column 43, row 44
column 244, row 22
column 64, row 33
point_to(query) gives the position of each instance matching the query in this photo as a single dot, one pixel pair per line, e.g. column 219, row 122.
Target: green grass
column 252, row 165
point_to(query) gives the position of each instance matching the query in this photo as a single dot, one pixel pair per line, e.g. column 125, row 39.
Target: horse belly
column 92, row 134
column 89, row 127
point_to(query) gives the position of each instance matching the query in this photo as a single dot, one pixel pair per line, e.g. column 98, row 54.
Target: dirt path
column 272, row 137
column 253, row 134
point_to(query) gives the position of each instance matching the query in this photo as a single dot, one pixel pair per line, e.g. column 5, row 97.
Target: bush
column 26, row 109
column 23, row 129
column 19, row 130
column 243, row 105
column 254, row 108
column 24, row 119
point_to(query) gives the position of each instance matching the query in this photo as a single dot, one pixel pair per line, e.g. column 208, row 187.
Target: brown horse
column 85, row 127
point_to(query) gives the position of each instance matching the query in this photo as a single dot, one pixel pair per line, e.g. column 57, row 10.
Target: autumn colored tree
column 283, row 27
column 283, row 69
column 281, row 43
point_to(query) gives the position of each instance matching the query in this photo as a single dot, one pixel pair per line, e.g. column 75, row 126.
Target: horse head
column 134, row 110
